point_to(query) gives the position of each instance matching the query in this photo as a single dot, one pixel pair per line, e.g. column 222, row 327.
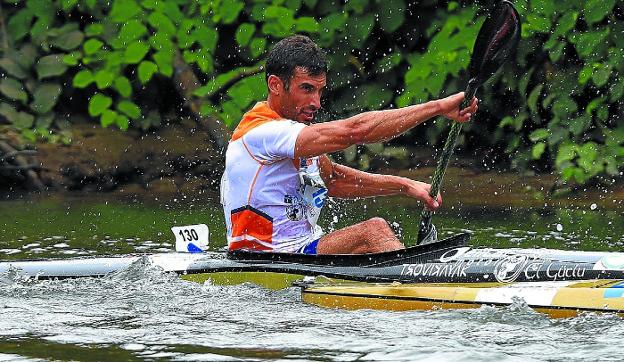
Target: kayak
column 445, row 274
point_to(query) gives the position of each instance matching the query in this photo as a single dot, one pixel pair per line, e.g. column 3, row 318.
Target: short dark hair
column 292, row 52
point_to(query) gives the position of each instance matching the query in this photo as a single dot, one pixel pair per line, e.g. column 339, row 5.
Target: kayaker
column 277, row 173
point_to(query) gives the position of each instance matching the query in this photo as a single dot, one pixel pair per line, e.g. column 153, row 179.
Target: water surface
column 143, row 313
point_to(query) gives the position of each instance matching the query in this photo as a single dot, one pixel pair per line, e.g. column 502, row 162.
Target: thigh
column 370, row 236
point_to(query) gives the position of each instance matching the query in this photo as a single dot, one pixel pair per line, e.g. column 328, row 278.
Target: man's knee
column 378, row 223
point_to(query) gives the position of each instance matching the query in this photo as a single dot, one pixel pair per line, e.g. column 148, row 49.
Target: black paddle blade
column 498, row 37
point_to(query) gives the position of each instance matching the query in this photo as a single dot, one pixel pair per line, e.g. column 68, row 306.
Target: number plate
column 191, row 238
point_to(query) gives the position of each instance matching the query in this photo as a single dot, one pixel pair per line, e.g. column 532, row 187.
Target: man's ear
column 275, row 84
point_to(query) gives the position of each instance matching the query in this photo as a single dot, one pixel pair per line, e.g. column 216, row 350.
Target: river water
column 145, row 314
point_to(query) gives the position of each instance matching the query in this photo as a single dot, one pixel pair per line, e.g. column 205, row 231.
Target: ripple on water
column 150, row 313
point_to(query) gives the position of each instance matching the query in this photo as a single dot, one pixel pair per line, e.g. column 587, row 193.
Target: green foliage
column 33, row 67
column 559, row 104
column 570, row 108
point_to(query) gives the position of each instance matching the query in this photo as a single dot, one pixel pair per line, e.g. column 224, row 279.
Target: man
column 277, row 174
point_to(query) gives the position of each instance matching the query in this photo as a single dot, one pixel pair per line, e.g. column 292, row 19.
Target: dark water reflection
column 59, row 227
column 142, row 313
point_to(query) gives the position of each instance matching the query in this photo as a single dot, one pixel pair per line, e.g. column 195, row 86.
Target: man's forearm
column 346, row 182
column 378, row 126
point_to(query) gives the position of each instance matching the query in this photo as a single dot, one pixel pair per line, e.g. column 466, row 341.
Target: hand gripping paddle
column 498, row 37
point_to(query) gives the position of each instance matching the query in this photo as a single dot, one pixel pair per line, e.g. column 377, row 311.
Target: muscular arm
column 346, row 182
column 376, row 126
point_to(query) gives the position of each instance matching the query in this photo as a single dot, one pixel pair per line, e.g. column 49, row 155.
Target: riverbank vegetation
column 146, row 67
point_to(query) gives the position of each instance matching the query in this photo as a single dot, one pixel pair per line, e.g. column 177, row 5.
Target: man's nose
column 316, row 101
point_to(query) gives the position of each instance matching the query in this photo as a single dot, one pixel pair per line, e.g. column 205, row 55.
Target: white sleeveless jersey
column 265, row 205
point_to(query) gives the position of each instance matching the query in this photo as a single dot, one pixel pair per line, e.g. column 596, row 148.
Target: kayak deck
column 555, row 298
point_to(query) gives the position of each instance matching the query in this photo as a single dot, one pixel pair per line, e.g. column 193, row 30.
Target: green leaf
column 94, row 29
column 13, row 89
column 206, row 37
column 565, row 153
column 98, row 103
column 585, row 74
column 601, row 75
column 593, row 105
column 357, row 5
column 603, row 114
column 566, row 23
column 539, row 134
column 122, row 122
column 44, row 121
column 246, row 91
column 334, row 21
column 544, row 7
column 391, row 14
column 146, row 70
column 172, row 10
column 23, row 120
column 204, row 60
column 161, row 42
column 244, row 33
column 184, row 34
column 580, row 124
column 45, row 97
column 596, row 10
column 257, row 47
column 103, row 79
column 72, row 58
column 307, row 25
column 82, row 79
column 122, row 85
column 585, row 43
column 616, row 91
column 13, row 68
column 387, row 63
column 91, row 46
column 108, row 118
column 50, row 66
column 20, row 120
column 533, row 97
column 68, row 41
column 135, row 52
column 164, row 62
column 161, row 23
column 564, row 106
column 538, row 23
column 124, row 10
column 19, row 24
column 228, row 11
column 130, row 109
column 358, row 29
column 131, row 31
column 588, row 151
column 538, row 150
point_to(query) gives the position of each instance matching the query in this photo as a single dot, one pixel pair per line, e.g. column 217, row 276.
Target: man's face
column 302, row 99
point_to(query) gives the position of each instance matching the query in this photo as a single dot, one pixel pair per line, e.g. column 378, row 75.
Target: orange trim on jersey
column 258, row 115
column 252, row 155
column 248, row 221
column 253, row 183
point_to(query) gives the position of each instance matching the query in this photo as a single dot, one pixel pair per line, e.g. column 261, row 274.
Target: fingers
column 431, row 203
column 466, row 113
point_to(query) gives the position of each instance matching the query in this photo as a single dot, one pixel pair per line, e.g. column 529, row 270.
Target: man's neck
column 273, row 103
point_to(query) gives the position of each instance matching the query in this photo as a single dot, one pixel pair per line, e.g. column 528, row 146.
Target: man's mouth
column 308, row 114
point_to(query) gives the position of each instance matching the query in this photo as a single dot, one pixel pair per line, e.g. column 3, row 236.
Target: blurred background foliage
column 558, row 107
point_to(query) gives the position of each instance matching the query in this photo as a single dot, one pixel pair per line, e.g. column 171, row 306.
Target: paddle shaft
column 445, row 156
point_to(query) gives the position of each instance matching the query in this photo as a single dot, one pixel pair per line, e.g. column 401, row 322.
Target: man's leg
column 370, row 236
